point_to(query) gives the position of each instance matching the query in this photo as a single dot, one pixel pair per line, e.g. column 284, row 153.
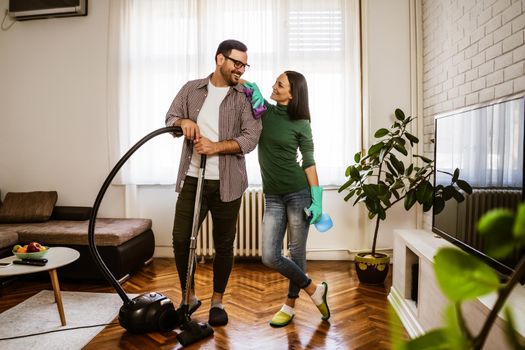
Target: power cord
column 6, row 12
column 59, row 330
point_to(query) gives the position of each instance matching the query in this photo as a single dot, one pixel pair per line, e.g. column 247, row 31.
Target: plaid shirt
column 236, row 122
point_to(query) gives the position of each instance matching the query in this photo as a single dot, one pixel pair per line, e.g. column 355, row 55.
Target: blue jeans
column 282, row 211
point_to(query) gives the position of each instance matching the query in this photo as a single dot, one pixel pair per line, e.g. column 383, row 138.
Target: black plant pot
column 372, row 269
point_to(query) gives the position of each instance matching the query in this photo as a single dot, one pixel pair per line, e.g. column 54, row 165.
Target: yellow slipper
column 281, row 319
column 323, row 307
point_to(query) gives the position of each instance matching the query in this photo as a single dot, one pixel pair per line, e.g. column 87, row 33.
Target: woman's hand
column 257, row 98
column 316, row 209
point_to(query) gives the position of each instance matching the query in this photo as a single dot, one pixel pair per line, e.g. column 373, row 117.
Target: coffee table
column 57, row 257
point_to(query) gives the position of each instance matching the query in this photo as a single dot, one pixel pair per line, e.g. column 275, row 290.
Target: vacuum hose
column 91, row 230
column 151, row 311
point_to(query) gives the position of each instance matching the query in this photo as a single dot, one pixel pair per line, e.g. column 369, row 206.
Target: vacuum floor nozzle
column 193, row 332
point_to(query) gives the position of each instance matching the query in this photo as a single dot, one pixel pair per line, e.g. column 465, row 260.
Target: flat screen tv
column 485, row 143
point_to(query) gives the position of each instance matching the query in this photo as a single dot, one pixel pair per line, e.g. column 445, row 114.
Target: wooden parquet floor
column 359, row 312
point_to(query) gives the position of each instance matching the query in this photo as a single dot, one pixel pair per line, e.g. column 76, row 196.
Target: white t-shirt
column 208, row 122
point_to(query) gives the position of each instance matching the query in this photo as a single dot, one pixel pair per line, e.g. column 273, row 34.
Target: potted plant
column 387, row 175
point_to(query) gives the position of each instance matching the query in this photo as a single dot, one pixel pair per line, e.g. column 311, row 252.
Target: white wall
column 54, row 120
column 388, row 83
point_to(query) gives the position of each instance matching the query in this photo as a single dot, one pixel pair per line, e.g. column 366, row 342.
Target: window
column 164, row 43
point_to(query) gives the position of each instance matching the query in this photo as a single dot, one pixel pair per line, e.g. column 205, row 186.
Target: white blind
column 312, row 31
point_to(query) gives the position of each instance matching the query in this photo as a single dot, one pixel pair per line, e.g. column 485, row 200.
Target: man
column 216, row 120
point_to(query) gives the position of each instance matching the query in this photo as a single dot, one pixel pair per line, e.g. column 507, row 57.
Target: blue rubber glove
column 316, row 209
column 257, row 98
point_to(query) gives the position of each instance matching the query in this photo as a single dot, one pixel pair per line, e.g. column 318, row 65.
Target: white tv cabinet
column 417, row 248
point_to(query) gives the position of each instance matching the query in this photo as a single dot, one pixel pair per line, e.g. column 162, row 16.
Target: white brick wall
column 473, row 51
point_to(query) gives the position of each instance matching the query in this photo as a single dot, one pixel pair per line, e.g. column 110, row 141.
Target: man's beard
column 227, row 76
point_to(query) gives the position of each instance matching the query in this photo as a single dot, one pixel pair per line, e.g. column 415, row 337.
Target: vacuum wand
column 193, row 331
column 195, row 228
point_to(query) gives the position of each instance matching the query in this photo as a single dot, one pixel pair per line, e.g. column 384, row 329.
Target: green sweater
column 280, row 139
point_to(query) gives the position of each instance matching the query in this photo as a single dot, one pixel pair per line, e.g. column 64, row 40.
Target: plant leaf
column 381, row 212
column 496, row 226
column 410, row 199
column 357, row 157
column 374, row 149
column 397, row 331
column 345, row 185
column 456, row 175
column 401, row 149
column 400, row 115
column 457, row 195
column 464, row 186
column 425, row 159
column 439, row 205
column 462, row 276
column 399, row 140
column 428, row 205
column 350, row 195
column 354, row 173
column 456, row 338
column 424, row 191
column 398, row 184
column 383, row 152
column 411, row 138
column 400, row 167
column 391, row 168
column 409, row 170
column 519, row 224
column 448, row 192
column 370, row 190
column 380, row 133
column 495, row 222
column 434, row 340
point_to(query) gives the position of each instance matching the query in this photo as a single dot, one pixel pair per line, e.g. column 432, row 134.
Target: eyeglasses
column 238, row 64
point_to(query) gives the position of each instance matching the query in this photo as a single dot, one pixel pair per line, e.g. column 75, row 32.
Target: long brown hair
column 298, row 106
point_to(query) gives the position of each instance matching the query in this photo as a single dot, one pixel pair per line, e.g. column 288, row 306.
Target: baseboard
column 163, row 252
column 327, row 254
column 405, row 311
column 311, row 254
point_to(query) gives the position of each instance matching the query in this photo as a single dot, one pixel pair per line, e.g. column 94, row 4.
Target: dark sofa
column 124, row 244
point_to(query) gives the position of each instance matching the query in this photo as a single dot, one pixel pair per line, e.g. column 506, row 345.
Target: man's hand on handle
column 190, row 129
column 204, row 146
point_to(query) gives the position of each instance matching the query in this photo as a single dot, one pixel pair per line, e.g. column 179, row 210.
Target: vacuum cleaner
column 154, row 311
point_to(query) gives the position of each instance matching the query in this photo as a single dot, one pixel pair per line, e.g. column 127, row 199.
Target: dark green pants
column 224, row 216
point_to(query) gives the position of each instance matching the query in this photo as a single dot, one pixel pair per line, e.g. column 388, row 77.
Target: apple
column 34, row 247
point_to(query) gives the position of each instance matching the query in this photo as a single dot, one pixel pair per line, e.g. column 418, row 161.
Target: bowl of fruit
column 33, row 250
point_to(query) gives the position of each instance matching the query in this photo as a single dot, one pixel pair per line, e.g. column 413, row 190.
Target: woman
column 291, row 189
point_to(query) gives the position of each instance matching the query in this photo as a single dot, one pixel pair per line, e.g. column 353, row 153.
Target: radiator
column 481, row 201
column 248, row 241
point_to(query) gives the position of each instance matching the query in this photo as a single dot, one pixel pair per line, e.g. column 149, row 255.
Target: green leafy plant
column 463, row 277
column 387, row 175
